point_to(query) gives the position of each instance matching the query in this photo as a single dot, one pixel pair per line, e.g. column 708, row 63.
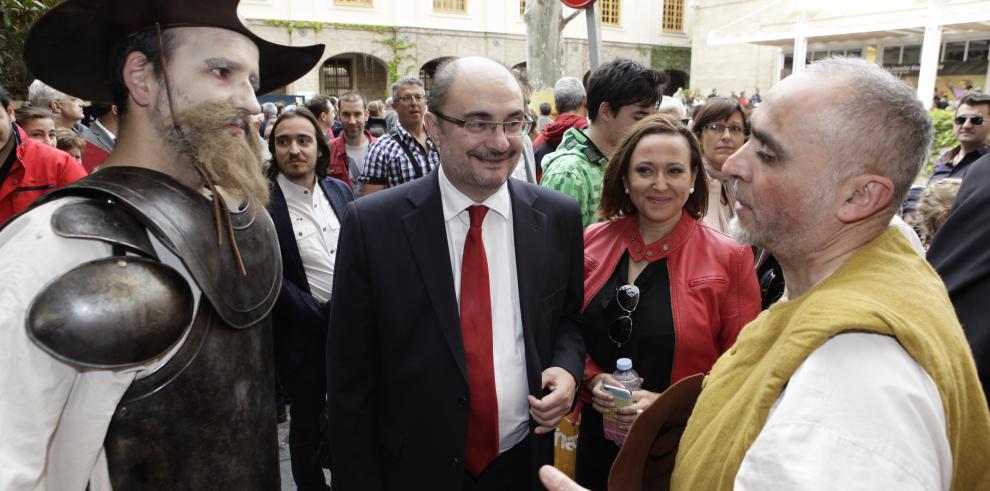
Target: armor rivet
column 665, row 247
column 649, row 253
column 122, row 263
column 122, row 411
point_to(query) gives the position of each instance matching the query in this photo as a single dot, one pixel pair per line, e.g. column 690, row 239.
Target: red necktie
column 476, row 331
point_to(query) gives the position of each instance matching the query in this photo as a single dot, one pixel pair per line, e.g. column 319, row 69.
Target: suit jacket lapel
column 428, row 240
column 333, row 194
column 529, row 231
column 291, row 260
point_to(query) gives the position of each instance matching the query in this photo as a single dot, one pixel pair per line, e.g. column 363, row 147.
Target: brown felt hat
column 68, row 47
column 646, row 459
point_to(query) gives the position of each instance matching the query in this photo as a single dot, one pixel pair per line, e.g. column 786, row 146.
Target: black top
column 650, row 347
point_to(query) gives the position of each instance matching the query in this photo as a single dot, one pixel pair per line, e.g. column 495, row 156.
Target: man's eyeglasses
column 719, row 128
column 477, row 127
column 976, row 120
column 620, row 330
column 406, row 99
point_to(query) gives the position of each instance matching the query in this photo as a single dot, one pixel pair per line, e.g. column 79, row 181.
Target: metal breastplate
column 206, row 419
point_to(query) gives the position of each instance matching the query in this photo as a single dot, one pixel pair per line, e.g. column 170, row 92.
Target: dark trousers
column 512, row 470
column 306, row 389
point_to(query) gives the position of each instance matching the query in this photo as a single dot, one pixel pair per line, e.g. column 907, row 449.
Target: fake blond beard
column 232, row 162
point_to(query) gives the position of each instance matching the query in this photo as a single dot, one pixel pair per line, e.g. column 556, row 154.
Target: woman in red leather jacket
column 696, row 286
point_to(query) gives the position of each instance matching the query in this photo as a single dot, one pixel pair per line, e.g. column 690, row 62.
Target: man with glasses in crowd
column 620, row 93
column 67, row 109
column 972, row 127
column 454, row 346
column 406, row 152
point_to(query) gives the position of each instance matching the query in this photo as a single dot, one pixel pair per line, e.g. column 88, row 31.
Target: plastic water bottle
column 629, row 379
column 625, row 375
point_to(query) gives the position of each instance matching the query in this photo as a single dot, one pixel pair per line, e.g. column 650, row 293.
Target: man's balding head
column 865, row 117
column 466, row 71
column 477, row 120
column 833, row 151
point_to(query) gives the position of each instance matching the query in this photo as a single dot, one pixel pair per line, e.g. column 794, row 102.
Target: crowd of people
column 434, row 282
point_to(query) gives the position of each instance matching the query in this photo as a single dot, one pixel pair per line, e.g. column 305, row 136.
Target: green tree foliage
column 16, row 17
column 945, row 137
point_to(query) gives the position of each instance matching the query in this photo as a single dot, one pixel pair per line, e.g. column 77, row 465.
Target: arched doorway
column 360, row 72
column 675, row 79
column 429, row 69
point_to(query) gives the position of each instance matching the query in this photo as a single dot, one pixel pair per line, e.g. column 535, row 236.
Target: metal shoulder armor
column 114, row 312
column 111, row 313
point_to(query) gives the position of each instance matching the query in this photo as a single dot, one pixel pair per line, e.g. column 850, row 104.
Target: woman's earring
column 627, row 190
column 691, row 191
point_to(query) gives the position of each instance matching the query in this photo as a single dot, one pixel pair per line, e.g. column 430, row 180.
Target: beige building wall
column 731, row 68
column 491, row 28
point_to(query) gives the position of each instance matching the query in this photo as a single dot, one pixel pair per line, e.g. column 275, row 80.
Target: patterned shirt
column 388, row 164
column 577, row 169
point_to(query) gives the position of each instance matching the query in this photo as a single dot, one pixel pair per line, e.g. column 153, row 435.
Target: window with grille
column 609, row 12
column 360, row 3
column 522, row 7
column 455, row 6
column 673, row 15
column 337, row 77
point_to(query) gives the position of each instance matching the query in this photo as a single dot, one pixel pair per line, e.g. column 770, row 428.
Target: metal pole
column 594, row 35
column 929, row 54
column 800, row 44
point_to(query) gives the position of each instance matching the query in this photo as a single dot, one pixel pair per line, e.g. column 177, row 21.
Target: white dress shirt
column 316, row 228
column 859, row 413
column 508, row 347
column 54, row 416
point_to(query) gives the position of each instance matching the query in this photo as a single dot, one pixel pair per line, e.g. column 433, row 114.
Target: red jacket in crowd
column 38, row 169
column 713, row 288
column 554, row 132
column 338, row 157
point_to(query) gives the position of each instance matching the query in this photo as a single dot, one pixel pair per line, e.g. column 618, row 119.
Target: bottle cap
column 623, row 364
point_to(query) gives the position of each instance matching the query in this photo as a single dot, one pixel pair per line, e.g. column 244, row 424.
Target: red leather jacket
column 713, row 288
column 38, row 169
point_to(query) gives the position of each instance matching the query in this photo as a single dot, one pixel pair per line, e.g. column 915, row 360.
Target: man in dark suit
column 960, row 253
column 305, row 206
column 100, row 135
column 454, row 344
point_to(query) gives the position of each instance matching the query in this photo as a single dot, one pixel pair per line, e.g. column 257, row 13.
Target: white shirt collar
column 104, row 128
column 293, row 190
column 454, row 201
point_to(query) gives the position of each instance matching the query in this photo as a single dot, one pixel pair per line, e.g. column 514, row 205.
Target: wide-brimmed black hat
column 68, row 47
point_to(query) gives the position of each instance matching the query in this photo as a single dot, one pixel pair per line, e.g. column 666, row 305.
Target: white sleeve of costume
column 859, row 413
column 53, row 416
column 909, row 234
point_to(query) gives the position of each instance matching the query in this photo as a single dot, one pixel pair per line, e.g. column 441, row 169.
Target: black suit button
column 456, row 462
column 462, row 401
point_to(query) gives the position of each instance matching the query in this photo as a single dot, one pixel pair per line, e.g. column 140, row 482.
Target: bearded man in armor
column 135, row 336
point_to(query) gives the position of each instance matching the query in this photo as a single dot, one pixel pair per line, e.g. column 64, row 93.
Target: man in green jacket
column 620, row 93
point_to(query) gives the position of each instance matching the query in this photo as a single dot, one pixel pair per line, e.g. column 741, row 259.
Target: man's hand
column 549, row 410
column 554, row 480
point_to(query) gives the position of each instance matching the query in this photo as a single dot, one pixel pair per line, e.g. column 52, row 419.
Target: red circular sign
column 577, row 4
